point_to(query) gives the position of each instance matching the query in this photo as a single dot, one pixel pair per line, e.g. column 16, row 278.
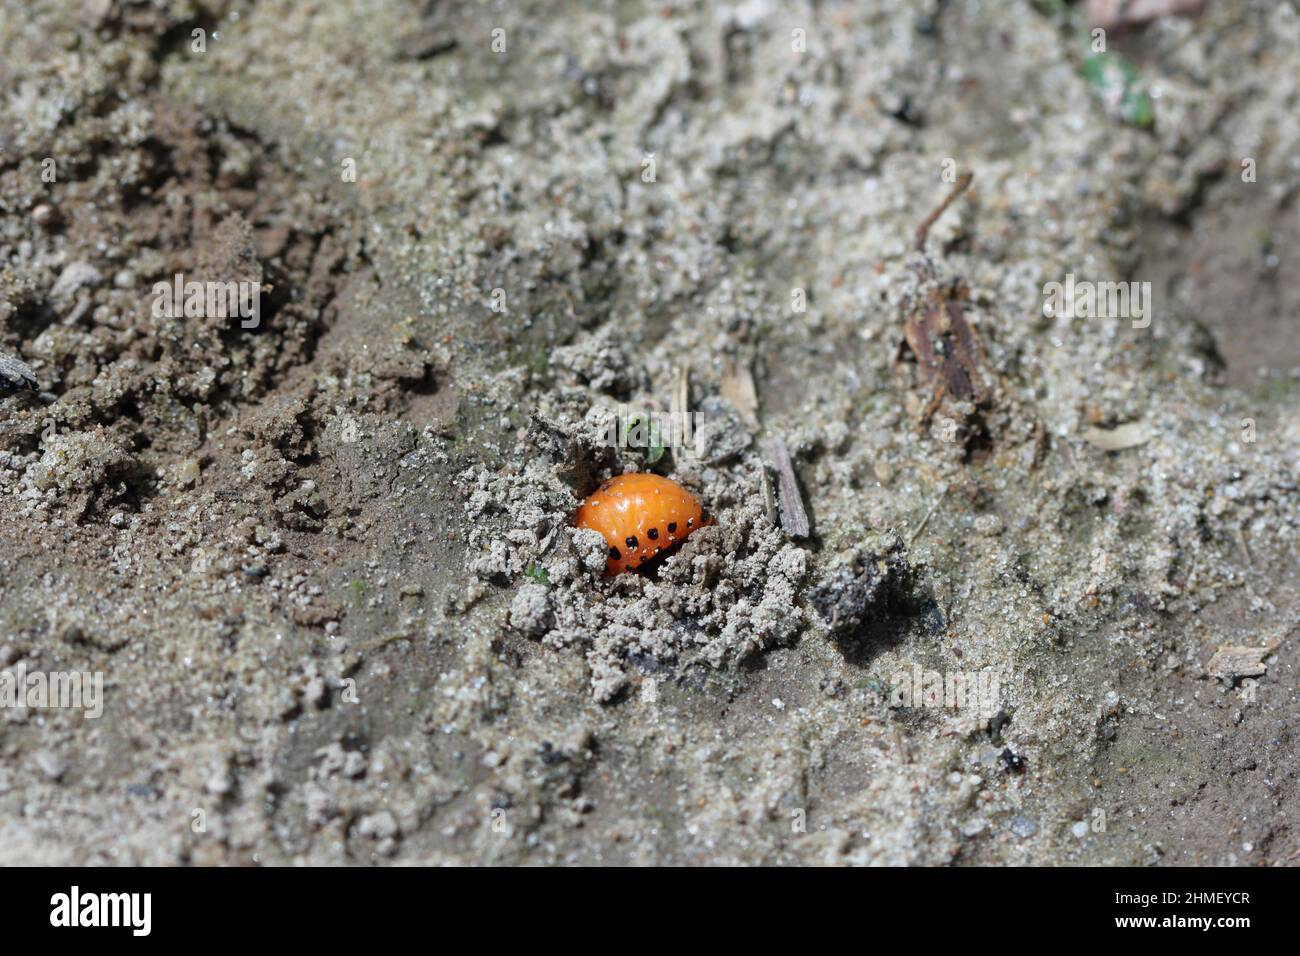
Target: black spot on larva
column 689, row 522
column 652, row 534
column 672, row 527
column 631, row 541
column 613, row 553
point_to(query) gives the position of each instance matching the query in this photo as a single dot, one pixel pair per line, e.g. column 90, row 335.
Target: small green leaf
column 1139, row 109
column 634, row 428
column 656, row 446
column 538, row 574
column 1121, row 88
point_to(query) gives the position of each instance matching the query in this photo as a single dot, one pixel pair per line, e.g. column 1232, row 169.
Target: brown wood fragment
column 941, row 365
column 1128, row 435
column 317, row 615
column 769, row 499
column 679, row 402
column 679, row 408
column 1231, row 662
column 738, row 388
column 425, row 43
column 923, row 230
column 794, row 519
column 1120, row 13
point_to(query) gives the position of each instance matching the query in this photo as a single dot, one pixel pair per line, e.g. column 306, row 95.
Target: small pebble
column 378, row 826
column 46, row 216
column 51, row 765
column 1023, row 827
column 220, row 783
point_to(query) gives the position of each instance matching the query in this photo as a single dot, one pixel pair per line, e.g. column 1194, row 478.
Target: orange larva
column 640, row 516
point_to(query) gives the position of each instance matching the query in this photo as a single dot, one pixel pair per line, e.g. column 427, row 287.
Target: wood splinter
column 794, row 519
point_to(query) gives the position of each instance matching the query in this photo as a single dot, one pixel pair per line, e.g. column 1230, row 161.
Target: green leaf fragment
column 641, row 436
column 1121, row 88
column 656, row 446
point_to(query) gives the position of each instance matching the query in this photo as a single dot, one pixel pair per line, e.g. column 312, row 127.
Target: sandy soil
column 326, row 566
